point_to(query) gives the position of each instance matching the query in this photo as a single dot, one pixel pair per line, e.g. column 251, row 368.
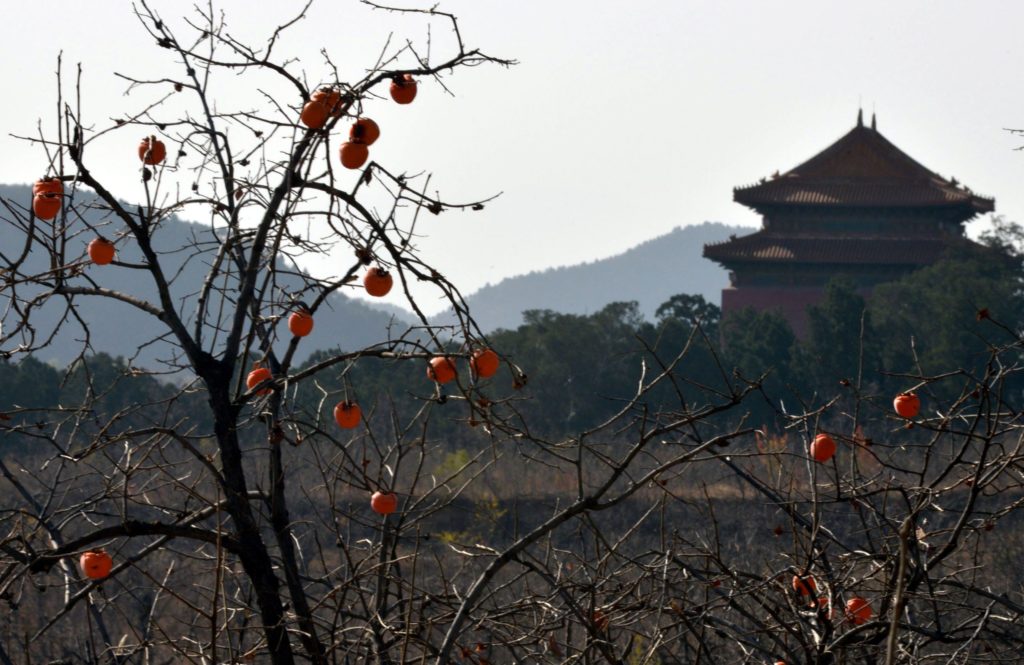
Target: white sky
column 622, row 120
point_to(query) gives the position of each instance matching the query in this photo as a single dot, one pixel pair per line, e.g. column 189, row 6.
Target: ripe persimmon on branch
column 272, row 181
column 219, row 497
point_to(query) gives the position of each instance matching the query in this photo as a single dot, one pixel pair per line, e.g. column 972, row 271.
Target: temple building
column 861, row 207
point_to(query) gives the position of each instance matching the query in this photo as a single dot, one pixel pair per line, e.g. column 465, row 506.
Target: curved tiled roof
column 862, row 169
column 786, row 190
column 767, row 247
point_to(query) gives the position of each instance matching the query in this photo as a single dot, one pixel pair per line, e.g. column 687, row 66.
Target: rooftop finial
column 873, row 125
column 860, row 117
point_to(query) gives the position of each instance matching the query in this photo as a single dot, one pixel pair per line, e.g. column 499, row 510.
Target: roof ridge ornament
column 874, row 126
column 862, row 169
column 860, row 117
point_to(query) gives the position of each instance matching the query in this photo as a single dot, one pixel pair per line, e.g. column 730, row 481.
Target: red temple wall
column 791, row 301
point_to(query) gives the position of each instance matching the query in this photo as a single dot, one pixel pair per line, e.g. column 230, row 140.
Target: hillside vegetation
column 117, row 331
column 648, row 274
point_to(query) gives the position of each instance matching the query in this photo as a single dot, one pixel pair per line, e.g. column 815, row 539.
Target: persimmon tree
column 258, row 509
column 272, row 178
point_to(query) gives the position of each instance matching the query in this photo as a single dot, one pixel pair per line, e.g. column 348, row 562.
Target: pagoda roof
column 765, row 247
column 862, row 169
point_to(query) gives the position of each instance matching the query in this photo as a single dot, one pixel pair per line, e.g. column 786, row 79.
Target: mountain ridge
column 121, row 330
column 649, row 273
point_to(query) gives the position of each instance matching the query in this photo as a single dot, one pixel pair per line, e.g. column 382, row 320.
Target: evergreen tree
column 762, row 343
column 841, row 343
column 944, row 313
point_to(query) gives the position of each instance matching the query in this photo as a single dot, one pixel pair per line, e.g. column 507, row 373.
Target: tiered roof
column 862, row 170
column 778, row 247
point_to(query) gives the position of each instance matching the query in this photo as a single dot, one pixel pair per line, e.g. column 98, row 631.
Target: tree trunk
column 253, row 554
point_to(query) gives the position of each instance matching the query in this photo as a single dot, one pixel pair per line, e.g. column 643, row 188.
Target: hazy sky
column 622, row 120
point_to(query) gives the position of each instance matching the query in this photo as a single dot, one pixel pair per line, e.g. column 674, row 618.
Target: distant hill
column 649, row 273
column 119, row 329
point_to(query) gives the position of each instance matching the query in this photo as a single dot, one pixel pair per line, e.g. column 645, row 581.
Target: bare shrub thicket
column 238, row 517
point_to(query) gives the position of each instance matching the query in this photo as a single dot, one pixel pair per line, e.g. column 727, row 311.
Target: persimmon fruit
column 257, row 376
column 364, row 130
column 823, row 448
column 804, row 585
column 46, row 205
column 152, row 151
column 907, row 405
column 300, row 323
column 347, row 414
column 441, row 369
column 378, row 282
column 314, row 115
column 384, row 503
column 353, row 155
column 858, row 610
column 403, row 89
column 101, row 251
column 96, row 564
column 330, row 99
column 48, row 185
column 484, row 363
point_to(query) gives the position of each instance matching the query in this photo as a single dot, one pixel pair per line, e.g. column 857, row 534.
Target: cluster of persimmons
column 324, row 104
column 822, row 449
column 327, row 103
